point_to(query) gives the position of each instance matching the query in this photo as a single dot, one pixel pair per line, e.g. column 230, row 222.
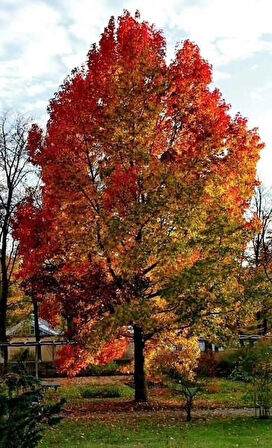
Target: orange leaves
column 192, row 67
column 113, row 350
column 72, row 359
column 185, row 262
column 178, row 264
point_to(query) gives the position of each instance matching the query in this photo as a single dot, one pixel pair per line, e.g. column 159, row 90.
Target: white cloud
column 260, row 92
column 263, row 121
column 74, row 60
column 218, row 75
column 51, row 38
column 87, row 20
column 227, row 30
column 32, row 38
column 36, row 31
column 36, row 89
column 36, row 105
column 256, row 95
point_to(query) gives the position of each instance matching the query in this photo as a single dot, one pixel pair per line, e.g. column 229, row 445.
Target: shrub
column 259, row 395
column 207, row 364
column 107, row 391
column 173, row 362
column 189, row 389
column 103, row 370
column 126, row 368
column 222, row 364
column 23, row 414
column 227, row 362
column 256, row 366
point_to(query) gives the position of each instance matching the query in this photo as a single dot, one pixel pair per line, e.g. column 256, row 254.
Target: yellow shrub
column 172, row 353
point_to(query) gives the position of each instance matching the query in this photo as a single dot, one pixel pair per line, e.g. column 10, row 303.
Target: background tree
column 15, row 174
column 19, row 305
column 258, row 261
column 254, row 365
column 146, row 182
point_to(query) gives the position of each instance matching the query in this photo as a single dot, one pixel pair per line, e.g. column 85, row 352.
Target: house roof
column 21, row 329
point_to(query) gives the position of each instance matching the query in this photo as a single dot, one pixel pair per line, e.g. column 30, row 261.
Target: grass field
column 220, row 418
column 151, row 432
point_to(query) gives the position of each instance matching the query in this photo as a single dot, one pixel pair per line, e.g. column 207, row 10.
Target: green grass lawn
column 230, row 394
column 95, row 422
column 74, row 394
column 151, row 432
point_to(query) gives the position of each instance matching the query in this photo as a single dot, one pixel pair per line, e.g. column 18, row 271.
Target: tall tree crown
column 146, row 180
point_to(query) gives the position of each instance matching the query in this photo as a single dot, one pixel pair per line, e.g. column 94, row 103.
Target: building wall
column 48, row 353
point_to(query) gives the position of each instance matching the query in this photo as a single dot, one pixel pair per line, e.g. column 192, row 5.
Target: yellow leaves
column 159, row 304
column 255, row 224
column 177, row 263
column 172, row 352
column 185, row 261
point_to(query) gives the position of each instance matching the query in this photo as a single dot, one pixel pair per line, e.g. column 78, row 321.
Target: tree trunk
column 37, row 328
column 188, row 407
column 4, row 294
column 139, row 371
column 265, row 326
column 188, row 413
column 3, row 337
column 259, row 322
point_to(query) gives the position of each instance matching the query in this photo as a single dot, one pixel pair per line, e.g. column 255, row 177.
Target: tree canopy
column 146, row 180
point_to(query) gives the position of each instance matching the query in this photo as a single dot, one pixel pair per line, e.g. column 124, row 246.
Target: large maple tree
column 146, row 180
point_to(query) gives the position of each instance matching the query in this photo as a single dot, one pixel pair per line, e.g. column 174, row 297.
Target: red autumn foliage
column 113, row 351
column 72, row 359
column 142, row 168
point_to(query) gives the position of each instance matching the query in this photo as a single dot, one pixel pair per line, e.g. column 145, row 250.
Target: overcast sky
column 41, row 41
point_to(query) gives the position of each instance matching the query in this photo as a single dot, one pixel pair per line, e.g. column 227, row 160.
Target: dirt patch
column 109, row 410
